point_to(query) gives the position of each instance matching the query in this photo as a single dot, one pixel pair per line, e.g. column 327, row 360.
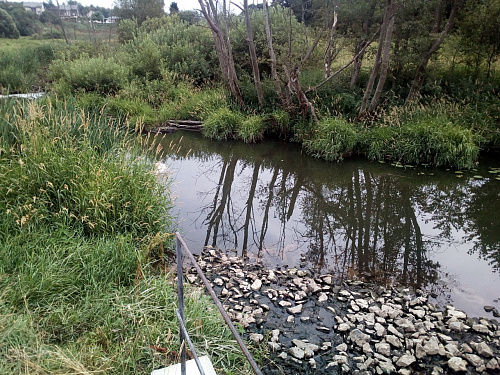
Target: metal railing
column 183, row 334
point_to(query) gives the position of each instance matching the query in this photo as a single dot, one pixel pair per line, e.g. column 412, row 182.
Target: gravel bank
column 309, row 324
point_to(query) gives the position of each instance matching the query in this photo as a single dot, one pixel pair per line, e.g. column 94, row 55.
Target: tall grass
column 23, row 70
column 83, row 216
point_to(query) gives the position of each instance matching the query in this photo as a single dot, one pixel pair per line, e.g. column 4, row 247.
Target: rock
column 218, row 281
column 484, row 350
column 456, row 326
column 312, row 286
column 406, row 360
column 341, row 347
column 493, row 364
column 358, row 337
column 323, row 329
column 312, row 363
column 343, row 327
column 306, row 347
column 481, row 328
column 420, row 351
column 284, row 303
column 474, row 359
column 290, row 319
column 322, row 297
column 274, row 346
column 379, row 329
column 256, row 285
column 295, row 310
column 383, row 348
column 452, row 350
column 431, row 347
column 387, row 367
column 283, row 355
column 256, row 337
column 457, row 364
column 296, row 352
column 394, row 341
column 455, row 313
column 341, row 359
column 489, row 308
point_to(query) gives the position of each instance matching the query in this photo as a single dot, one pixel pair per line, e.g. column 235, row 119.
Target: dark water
column 425, row 228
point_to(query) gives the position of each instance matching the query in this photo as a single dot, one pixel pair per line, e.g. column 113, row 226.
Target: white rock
column 457, row 364
column 256, row 337
column 295, row 310
column 405, row 360
column 256, row 285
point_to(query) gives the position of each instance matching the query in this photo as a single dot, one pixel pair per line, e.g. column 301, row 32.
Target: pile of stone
column 310, row 324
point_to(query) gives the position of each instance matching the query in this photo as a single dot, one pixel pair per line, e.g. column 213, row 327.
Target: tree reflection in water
column 354, row 219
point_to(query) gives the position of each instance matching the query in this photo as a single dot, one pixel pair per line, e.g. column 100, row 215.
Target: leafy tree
column 140, row 9
column 174, row 9
column 97, row 16
column 479, row 33
column 26, row 22
column 8, row 28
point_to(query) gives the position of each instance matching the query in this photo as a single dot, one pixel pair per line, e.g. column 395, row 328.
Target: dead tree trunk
column 420, row 72
column 382, row 50
column 330, row 51
column 253, row 54
column 384, row 64
column 223, row 47
column 272, row 58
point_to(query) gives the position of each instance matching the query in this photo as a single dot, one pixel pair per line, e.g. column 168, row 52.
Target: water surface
column 419, row 227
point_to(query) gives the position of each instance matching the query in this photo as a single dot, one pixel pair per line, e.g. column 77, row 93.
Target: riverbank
column 309, row 323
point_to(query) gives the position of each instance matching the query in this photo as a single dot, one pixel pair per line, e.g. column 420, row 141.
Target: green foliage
column 88, row 74
column 70, row 172
column 8, row 28
column 222, row 124
column 83, row 211
column 251, row 129
column 332, row 139
column 423, row 137
column 176, row 45
column 279, row 122
column 127, row 30
column 23, row 70
column 136, row 110
column 190, row 104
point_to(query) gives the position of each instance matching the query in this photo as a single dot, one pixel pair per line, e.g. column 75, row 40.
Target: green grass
column 84, row 287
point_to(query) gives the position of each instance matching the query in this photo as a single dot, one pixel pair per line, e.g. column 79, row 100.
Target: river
column 427, row 228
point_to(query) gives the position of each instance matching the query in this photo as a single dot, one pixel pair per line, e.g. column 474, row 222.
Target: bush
column 332, row 140
column 8, row 28
column 191, row 104
column 435, row 141
column 104, row 76
column 251, row 129
column 72, row 172
column 222, row 124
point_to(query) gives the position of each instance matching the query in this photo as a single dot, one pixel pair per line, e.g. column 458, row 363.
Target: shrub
column 8, row 28
column 279, row 122
column 332, row 140
column 105, row 76
column 251, row 129
column 433, row 141
column 190, row 104
column 222, row 124
column 72, row 172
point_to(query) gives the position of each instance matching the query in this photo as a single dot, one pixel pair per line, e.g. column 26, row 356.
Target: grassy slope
column 83, row 216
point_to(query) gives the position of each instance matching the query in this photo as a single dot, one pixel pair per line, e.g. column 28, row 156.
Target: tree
column 381, row 64
column 173, row 9
column 144, row 9
column 8, row 28
column 479, row 33
column 435, row 42
column 139, row 9
column 217, row 20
